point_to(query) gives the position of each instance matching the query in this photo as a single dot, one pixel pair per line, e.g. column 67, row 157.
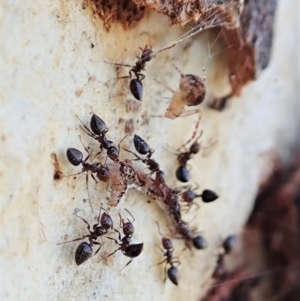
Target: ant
column 182, row 173
column 172, row 271
column 189, row 195
column 75, row 157
column 128, row 249
column 143, row 148
column 182, row 229
column 135, row 85
column 85, row 250
column 98, row 132
column 227, row 245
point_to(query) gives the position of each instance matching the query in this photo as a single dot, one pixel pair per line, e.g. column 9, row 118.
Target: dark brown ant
column 85, row 250
column 98, row 132
column 188, row 196
column 135, row 85
column 182, row 173
column 227, row 245
column 102, row 172
column 183, row 231
column 128, row 249
column 143, row 148
column 172, row 271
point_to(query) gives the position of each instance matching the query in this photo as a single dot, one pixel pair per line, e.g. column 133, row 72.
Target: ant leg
column 85, row 149
column 119, row 234
column 129, row 262
column 73, row 174
column 129, row 151
column 88, row 225
column 93, row 177
column 119, row 64
column 158, row 263
column 111, row 253
column 159, row 230
column 195, row 130
column 121, row 142
column 86, row 129
column 87, row 188
column 97, row 243
column 80, row 238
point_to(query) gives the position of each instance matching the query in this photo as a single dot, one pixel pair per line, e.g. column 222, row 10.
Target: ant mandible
column 128, row 249
column 85, row 250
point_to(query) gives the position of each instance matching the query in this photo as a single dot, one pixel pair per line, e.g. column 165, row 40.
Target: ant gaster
column 85, row 250
column 128, row 249
column 135, row 85
column 172, row 271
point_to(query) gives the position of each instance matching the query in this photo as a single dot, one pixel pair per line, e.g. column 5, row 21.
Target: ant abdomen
column 74, row 156
column 133, row 250
column 98, row 126
column 141, row 145
column 83, row 252
column 173, row 274
column 136, row 88
column 199, row 242
column 182, row 174
column 229, row 243
column 208, row 196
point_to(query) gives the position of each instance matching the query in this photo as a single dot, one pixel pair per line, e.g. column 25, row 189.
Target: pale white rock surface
column 49, row 73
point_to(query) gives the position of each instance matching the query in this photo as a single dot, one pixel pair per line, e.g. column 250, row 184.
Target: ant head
column 167, row 243
column 98, row 126
column 128, row 228
column 113, row 153
column 83, row 252
column 74, row 156
column 229, row 243
column 199, row 242
column 192, row 89
column 182, row 174
column 136, row 88
column 141, row 145
column 106, row 221
column 103, row 173
column 173, row 274
column 133, row 250
column 208, row 196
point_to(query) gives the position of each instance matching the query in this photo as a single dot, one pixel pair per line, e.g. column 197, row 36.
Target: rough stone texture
column 52, row 67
